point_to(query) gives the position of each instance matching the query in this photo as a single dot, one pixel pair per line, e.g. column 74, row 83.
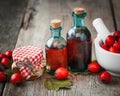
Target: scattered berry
column 2, row 76
column 8, row 53
column 5, row 61
column 2, row 56
column 105, row 77
column 94, row 67
column 61, row 73
column 16, row 78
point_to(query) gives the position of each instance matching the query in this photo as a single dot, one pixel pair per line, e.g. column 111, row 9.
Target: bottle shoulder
column 78, row 32
column 57, row 43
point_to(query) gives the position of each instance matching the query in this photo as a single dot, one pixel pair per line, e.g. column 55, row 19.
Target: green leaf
column 54, row 84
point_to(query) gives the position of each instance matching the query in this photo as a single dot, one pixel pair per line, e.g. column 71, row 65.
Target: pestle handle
column 101, row 29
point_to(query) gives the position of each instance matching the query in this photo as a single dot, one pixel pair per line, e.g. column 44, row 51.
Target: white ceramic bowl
column 108, row 60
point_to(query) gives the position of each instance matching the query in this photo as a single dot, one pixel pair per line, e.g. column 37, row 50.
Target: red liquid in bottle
column 79, row 53
column 56, row 58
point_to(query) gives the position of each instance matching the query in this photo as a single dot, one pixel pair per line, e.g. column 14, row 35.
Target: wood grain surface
column 11, row 15
column 35, row 31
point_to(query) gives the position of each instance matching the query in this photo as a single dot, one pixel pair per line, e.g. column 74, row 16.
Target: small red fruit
column 94, row 67
column 2, row 76
column 8, row 53
column 16, row 78
column 119, row 40
column 110, row 40
column 5, row 61
column 105, row 77
column 61, row 73
column 114, row 50
column 116, row 35
column 2, row 56
column 117, row 45
column 104, row 46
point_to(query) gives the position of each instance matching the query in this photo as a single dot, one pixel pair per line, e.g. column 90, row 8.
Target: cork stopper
column 79, row 10
column 55, row 23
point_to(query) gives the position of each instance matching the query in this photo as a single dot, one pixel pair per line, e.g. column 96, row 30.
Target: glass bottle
column 79, row 42
column 56, row 49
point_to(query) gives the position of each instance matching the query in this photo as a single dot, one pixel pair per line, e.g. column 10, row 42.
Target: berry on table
column 61, row 73
column 8, row 53
column 5, row 61
column 94, row 67
column 2, row 56
column 16, row 78
column 105, row 77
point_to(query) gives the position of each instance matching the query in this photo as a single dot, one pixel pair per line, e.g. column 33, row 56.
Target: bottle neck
column 55, row 32
column 79, row 20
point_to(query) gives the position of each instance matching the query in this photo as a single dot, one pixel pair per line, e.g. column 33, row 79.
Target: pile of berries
column 112, row 43
column 5, row 65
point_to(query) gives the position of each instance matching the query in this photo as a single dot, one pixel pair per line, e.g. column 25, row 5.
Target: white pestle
column 101, row 29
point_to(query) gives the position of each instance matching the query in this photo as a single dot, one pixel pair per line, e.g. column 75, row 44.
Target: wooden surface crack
column 28, row 18
column 28, row 15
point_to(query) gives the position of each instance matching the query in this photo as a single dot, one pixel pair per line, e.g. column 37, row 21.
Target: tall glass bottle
column 56, row 49
column 79, row 42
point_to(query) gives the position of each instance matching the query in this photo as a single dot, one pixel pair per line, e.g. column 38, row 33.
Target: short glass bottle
column 79, row 42
column 56, row 49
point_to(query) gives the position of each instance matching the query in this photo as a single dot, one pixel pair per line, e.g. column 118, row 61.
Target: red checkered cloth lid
column 28, row 59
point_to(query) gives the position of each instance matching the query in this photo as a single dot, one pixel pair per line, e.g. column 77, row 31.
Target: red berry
column 119, row 40
column 117, row 45
column 8, row 53
column 105, row 77
column 2, row 56
column 104, row 46
column 94, row 67
column 116, row 35
column 16, row 78
column 2, row 76
column 5, row 61
column 110, row 40
column 114, row 50
column 61, row 73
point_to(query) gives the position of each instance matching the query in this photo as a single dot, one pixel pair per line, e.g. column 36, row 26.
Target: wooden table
column 26, row 22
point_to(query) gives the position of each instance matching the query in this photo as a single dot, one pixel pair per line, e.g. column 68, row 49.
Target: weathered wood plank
column 11, row 14
column 35, row 31
column 116, row 7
